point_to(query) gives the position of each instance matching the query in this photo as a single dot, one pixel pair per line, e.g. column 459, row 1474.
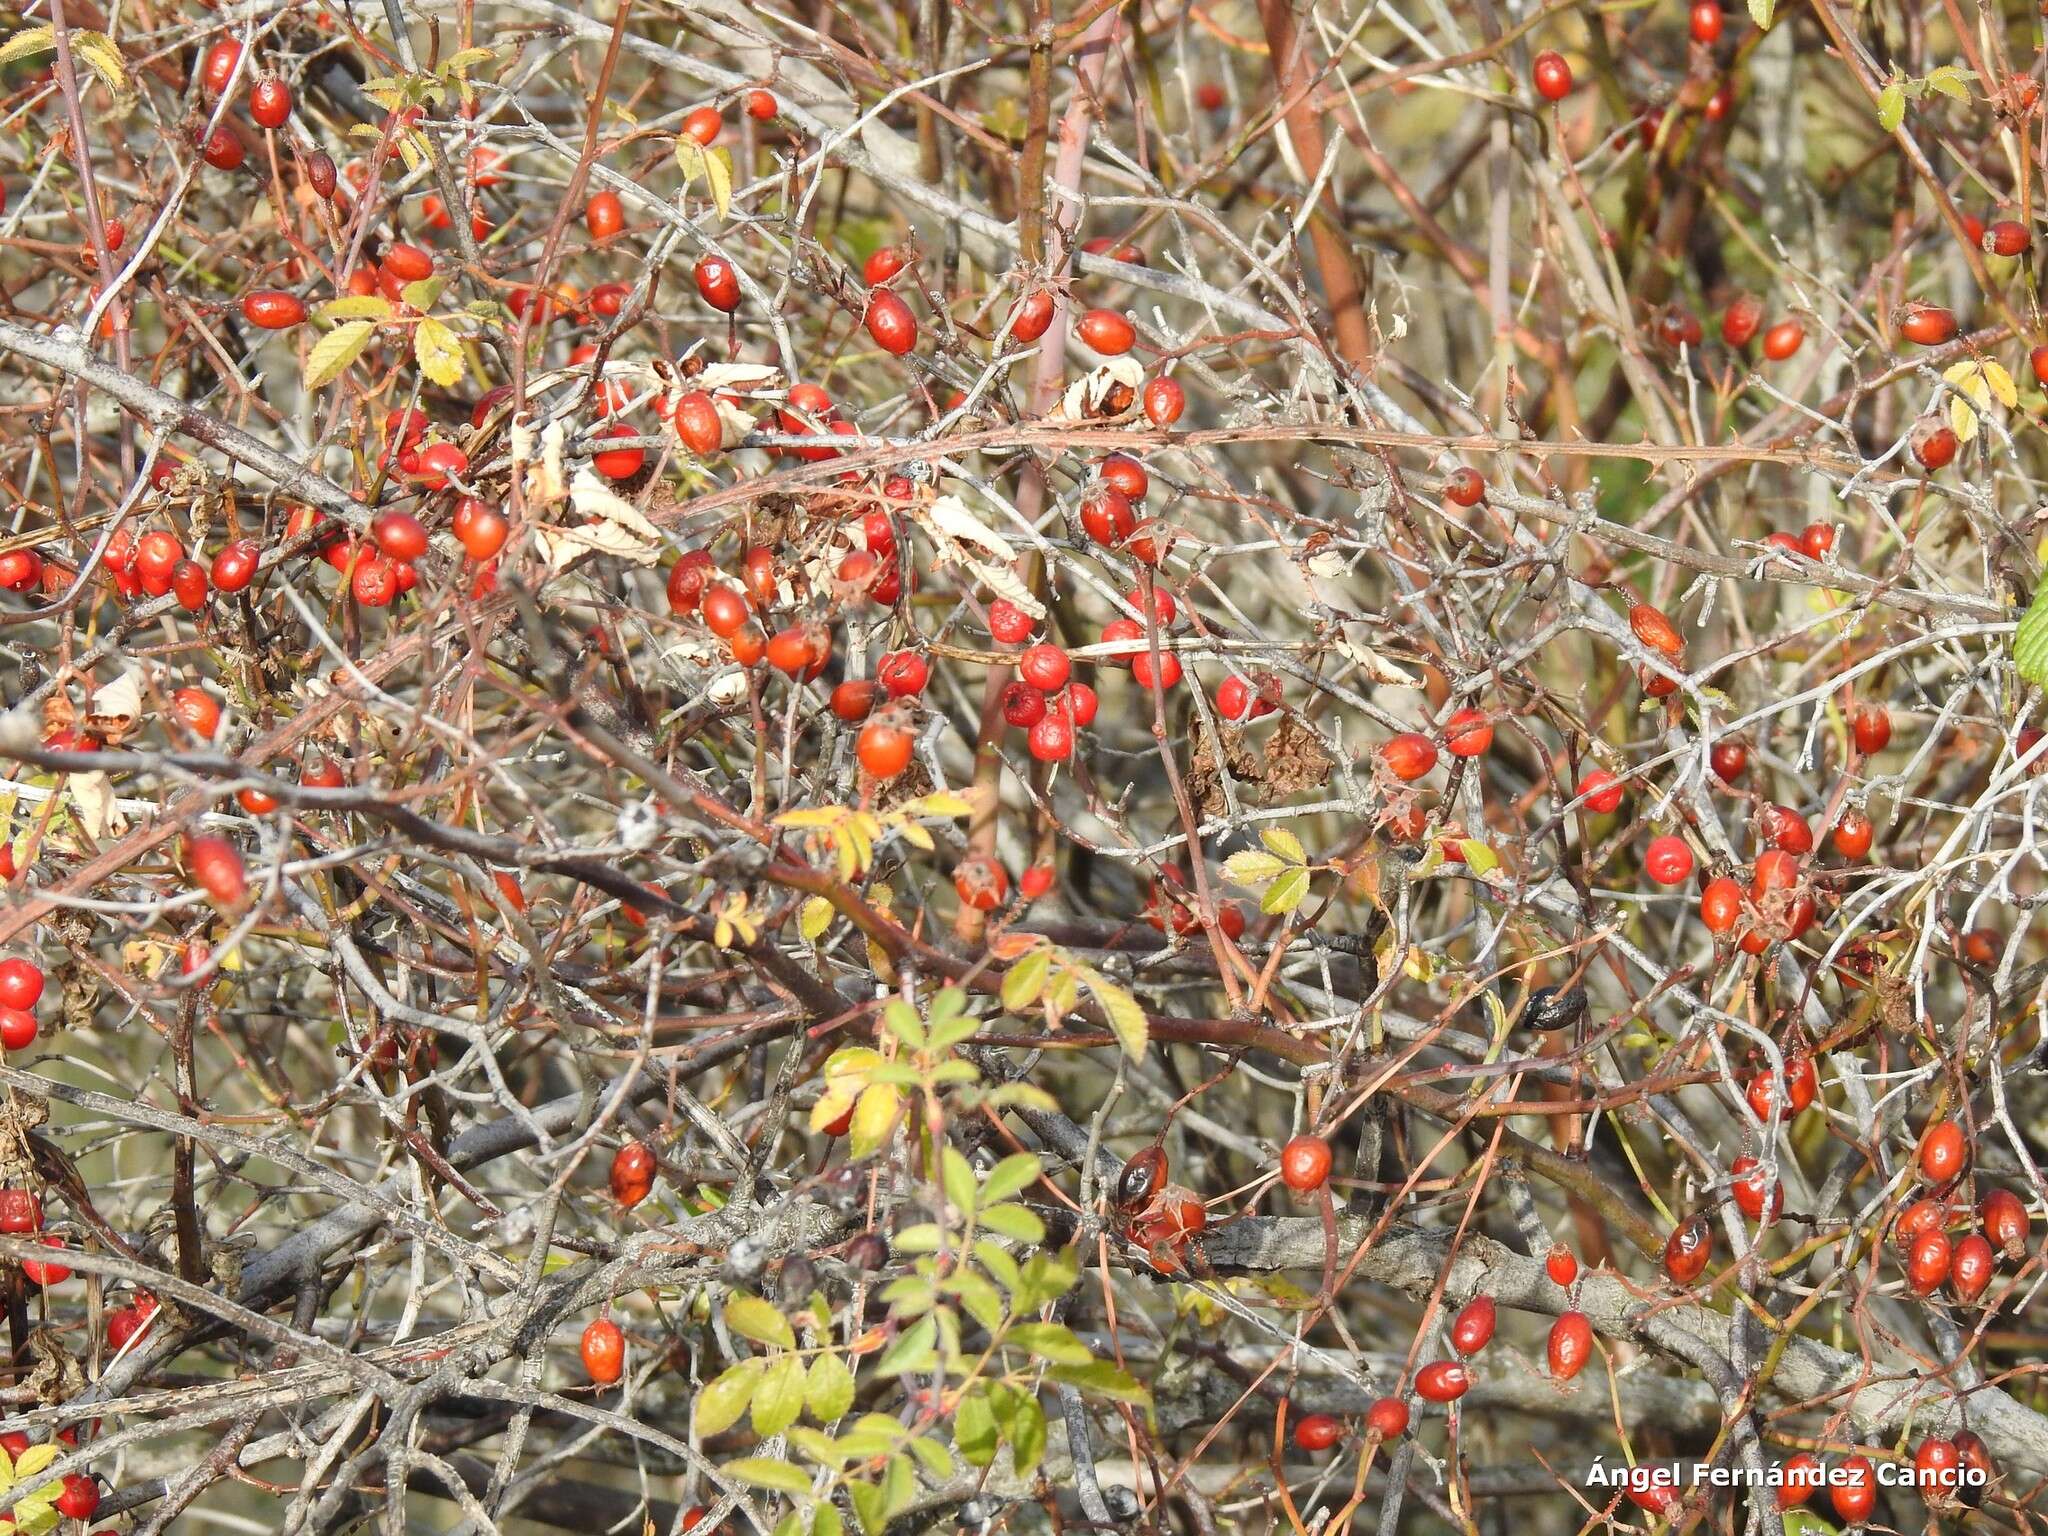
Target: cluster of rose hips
column 1157, row 1216
column 21, row 1215
column 1930, row 1255
column 21, row 988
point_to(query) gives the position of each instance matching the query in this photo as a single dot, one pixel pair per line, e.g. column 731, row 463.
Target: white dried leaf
column 1084, row 397
column 1005, row 583
column 950, row 516
column 93, row 795
column 1375, row 666
column 1326, row 563
column 565, row 545
column 546, row 484
column 591, row 496
column 728, row 689
column 639, row 825
column 116, row 707
column 745, row 377
column 735, row 422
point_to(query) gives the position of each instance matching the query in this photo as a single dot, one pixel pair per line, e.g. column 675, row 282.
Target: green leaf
column 421, row 295
column 752, row 1318
column 910, row 1295
column 356, row 306
column 1285, row 844
column 1891, row 106
column 936, row 1460
column 923, row 1237
column 1952, row 81
column 333, row 352
column 1286, row 893
column 899, row 1486
column 1023, row 1423
column 1012, row 1176
column 1761, row 12
column 1047, row 1278
column 1099, row 1378
column 791, row 1524
column 868, row 1507
column 1126, row 1018
column 998, row 1263
column 981, row 1300
column 974, row 1429
column 1013, row 1221
column 821, row 1448
column 901, row 1020
column 1250, row 868
column 1479, row 858
column 947, row 1033
column 865, row 1441
column 1024, row 982
column 956, row 1174
column 769, row 1472
column 439, row 352
column 1052, row 1342
column 2030, row 640
column 721, row 1403
column 827, row 1522
column 829, row 1391
column 780, row 1398
column 912, row 1352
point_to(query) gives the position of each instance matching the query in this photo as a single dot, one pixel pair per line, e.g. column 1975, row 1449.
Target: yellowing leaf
column 718, row 173
column 103, row 58
column 1962, row 420
column 829, row 1390
column 1285, row 844
column 1252, row 868
column 780, row 1398
column 1024, row 982
column 873, row 1118
column 814, row 918
column 938, row 803
column 714, row 166
column 356, row 306
column 439, row 352
column 333, row 352
column 1126, row 1018
column 1285, row 893
column 1479, row 858
column 735, row 927
column 27, row 44
column 1761, row 12
column 765, row 1472
column 2000, row 384
column 752, row 1318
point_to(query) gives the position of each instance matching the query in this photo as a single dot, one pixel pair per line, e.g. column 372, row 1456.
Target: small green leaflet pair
column 1891, row 101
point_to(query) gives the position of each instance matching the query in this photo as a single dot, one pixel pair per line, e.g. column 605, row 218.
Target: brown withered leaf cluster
column 1290, row 760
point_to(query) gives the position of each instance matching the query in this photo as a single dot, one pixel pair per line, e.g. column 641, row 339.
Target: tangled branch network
column 786, row 769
